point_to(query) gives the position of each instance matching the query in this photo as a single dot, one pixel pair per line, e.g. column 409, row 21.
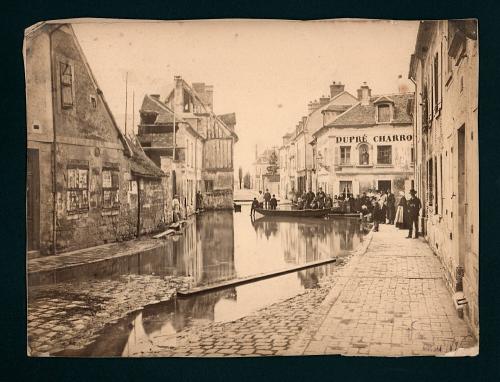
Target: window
column 364, row 157
column 345, row 187
column 384, row 154
column 66, row 85
column 430, row 182
column 383, row 113
column 77, row 189
column 93, row 102
column 209, row 185
column 110, row 188
column 436, row 81
column 345, row 155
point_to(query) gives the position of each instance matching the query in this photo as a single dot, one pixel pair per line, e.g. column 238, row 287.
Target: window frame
column 389, row 112
column 64, row 84
column 379, row 148
column 345, row 150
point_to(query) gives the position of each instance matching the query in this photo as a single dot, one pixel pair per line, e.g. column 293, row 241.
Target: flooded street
column 225, row 245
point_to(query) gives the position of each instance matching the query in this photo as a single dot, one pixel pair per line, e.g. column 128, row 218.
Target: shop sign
column 376, row 139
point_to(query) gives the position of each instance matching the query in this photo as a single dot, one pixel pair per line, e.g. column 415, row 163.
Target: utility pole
column 126, row 98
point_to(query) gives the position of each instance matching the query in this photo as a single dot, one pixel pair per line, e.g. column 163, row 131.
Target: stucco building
column 266, row 171
column 87, row 184
column 445, row 68
column 366, row 146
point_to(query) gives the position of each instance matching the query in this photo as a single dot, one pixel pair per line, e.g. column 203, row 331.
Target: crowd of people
column 380, row 206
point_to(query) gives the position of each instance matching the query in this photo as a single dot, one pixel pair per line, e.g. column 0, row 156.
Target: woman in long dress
column 401, row 219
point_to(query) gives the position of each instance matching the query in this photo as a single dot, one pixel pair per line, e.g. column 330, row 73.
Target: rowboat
column 294, row 213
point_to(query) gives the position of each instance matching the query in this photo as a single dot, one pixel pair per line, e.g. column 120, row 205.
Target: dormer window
column 384, row 109
column 383, row 113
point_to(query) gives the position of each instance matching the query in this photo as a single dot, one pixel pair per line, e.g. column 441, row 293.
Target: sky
column 264, row 71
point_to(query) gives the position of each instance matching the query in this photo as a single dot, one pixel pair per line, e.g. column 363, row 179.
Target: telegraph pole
column 126, row 98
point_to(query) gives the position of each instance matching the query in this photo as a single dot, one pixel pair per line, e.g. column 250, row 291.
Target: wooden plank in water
column 163, row 234
column 250, row 279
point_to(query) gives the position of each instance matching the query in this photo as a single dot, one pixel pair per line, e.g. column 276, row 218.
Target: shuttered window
column 77, row 189
column 66, row 72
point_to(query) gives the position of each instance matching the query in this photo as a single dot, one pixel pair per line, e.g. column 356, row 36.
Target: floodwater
column 223, row 245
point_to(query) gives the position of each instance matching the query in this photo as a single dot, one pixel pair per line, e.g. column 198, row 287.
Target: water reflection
column 222, row 245
column 217, row 246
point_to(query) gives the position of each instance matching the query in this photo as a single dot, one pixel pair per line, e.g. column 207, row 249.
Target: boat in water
column 294, row 213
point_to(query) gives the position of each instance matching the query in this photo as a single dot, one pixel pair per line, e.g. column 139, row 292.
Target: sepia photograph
column 247, row 188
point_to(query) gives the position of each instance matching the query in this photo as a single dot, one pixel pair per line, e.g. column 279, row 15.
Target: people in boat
column 273, row 203
column 310, row 197
column 255, row 204
column 267, row 199
column 260, row 199
column 335, row 202
column 328, row 202
column 391, row 207
column 401, row 217
column 300, row 203
column 321, row 195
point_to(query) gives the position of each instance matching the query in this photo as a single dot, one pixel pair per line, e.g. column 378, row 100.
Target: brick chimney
column 364, row 94
column 313, row 105
column 323, row 100
column 209, row 97
column 402, row 85
column 179, row 95
column 336, row 88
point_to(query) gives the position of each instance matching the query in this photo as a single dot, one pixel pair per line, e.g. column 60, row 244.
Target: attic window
column 93, row 102
column 383, row 113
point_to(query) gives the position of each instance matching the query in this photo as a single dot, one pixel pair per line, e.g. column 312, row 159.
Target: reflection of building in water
column 314, row 239
column 216, row 246
column 201, row 307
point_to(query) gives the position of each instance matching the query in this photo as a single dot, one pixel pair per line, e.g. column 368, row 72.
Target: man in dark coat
column 391, row 207
column 267, row 199
column 255, row 204
column 273, row 202
column 413, row 206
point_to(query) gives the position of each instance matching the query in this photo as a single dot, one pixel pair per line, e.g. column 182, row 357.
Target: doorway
column 33, row 200
column 384, row 185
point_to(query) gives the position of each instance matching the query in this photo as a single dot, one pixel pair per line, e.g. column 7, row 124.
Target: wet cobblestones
column 69, row 316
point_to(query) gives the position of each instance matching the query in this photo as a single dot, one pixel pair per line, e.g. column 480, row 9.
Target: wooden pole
column 126, row 98
column 133, row 112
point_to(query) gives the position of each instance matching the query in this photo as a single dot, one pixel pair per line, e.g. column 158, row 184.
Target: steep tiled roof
column 140, row 164
column 228, row 119
column 165, row 114
column 365, row 114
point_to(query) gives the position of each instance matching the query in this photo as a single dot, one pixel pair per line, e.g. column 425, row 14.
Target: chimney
column 179, row 95
column 402, row 85
column 313, row 105
column 304, row 119
column 336, row 88
column 323, row 100
column 364, row 94
column 209, row 97
column 310, row 108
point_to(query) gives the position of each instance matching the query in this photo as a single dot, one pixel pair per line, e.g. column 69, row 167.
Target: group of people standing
column 404, row 216
column 264, row 201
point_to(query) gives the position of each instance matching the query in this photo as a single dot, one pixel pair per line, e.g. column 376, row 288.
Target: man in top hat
column 413, row 206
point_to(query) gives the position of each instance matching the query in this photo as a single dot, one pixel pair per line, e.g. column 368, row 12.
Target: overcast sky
column 264, row 71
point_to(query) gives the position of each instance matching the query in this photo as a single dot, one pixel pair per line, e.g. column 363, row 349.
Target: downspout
column 54, row 144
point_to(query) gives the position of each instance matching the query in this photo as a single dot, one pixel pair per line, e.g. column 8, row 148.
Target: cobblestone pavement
column 268, row 331
column 390, row 301
column 68, row 316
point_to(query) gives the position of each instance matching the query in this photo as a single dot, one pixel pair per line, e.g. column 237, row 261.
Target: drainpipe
column 54, row 143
